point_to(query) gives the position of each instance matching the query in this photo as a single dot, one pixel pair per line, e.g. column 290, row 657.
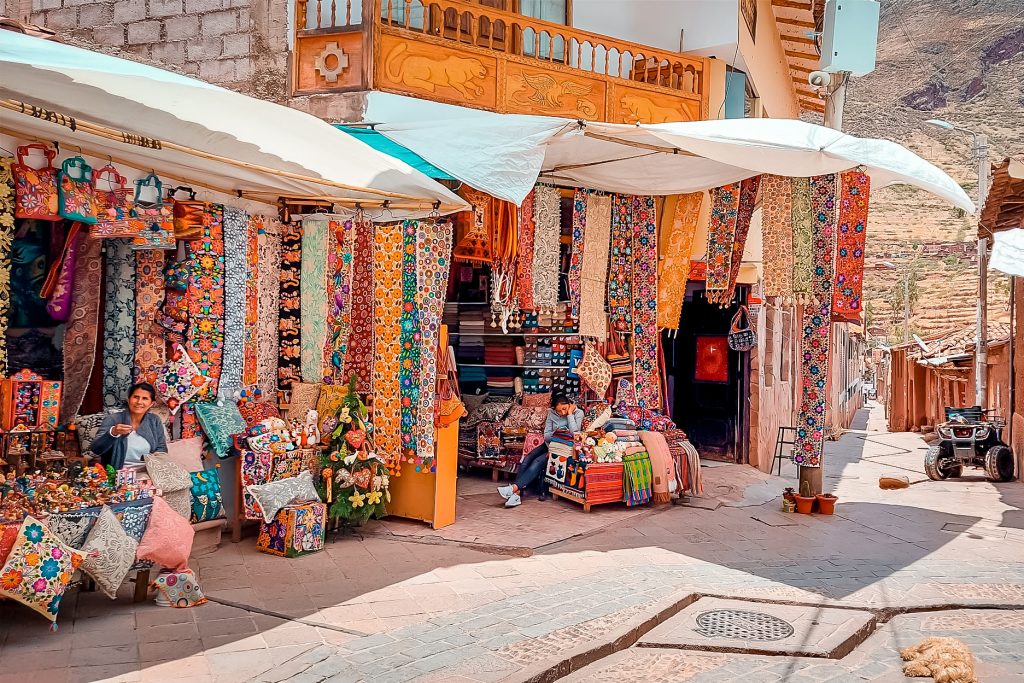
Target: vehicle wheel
column 999, row 463
column 935, row 466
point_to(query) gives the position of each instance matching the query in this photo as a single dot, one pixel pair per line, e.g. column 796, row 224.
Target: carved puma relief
column 642, row 110
column 419, row 71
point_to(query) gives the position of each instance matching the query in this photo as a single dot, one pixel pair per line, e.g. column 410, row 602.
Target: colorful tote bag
column 35, row 189
column 187, row 214
column 153, row 218
column 113, row 208
column 76, row 196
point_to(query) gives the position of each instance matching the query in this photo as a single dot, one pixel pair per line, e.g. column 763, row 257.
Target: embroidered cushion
column 254, row 412
column 304, row 398
column 134, row 520
column 109, row 553
column 167, row 476
column 168, row 538
column 327, row 407
column 72, row 527
column 594, row 370
column 522, row 417
column 596, row 415
column 39, row 569
column 206, row 496
column 537, row 400
column 179, row 380
column 179, row 589
column 220, row 423
column 488, row 412
column 180, row 502
column 8, row 535
column 186, row 453
column 275, row 495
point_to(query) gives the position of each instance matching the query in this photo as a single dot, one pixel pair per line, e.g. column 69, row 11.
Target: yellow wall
column 767, row 66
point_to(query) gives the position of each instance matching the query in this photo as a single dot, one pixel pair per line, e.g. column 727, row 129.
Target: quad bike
column 969, row 437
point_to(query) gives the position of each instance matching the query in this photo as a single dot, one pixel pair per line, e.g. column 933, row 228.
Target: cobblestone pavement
column 386, row 608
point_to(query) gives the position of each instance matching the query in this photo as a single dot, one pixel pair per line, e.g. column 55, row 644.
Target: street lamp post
column 980, row 154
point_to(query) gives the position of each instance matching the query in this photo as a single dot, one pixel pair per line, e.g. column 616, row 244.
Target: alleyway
column 834, row 597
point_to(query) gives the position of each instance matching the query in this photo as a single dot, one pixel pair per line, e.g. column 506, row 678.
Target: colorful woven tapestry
column 150, row 349
column 269, row 274
column 313, row 287
column 359, row 360
column 409, row 355
column 118, row 322
column 803, row 257
column 748, row 197
column 289, row 368
column 527, row 227
column 725, row 204
column 387, row 313
column 777, row 235
column 433, row 248
column 82, row 328
column 205, row 296
column 546, row 242
column 339, row 318
column 594, row 275
column 637, row 479
column 335, row 235
column 477, row 243
column 250, row 341
column 579, row 231
column 646, row 372
column 6, row 237
column 236, row 241
column 854, row 191
column 620, row 271
column 679, row 226
column 817, row 326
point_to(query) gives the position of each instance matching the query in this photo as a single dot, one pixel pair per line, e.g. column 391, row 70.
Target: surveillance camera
column 819, row 79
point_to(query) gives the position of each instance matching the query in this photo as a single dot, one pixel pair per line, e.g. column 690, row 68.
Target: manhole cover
column 742, row 625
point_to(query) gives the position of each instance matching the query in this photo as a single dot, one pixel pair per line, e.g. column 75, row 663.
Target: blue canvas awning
column 393, row 149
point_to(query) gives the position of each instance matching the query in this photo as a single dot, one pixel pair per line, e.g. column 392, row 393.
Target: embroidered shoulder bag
column 153, row 217
column 188, row 214
column 741, row 336
column 450, row 407
column 113, row 206
column 35, row 189
column 75, row 193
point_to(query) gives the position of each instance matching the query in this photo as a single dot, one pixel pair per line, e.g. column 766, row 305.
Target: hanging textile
column 777, row 235
column 477, row 243
column 504, row 300
column 637, row 479
column 620, row 273
column 817, row 326
column 205, row 298
column 803, row 258
column 250, row 334
column 269, row 289
column 679, row 226
column 748, row 197
column 387, row 312
column 118, row 322
column 314, row 292
column 433, row 250
column 359, row 360
column 579, row 231
column 339, row 305
column 725, row 204
column 150, row 349
column 82, row 328
column 646, row 373
column 236, row 242
column 409, row 355
column 546, row 241
column 594, row 270
column 289, row 368
column 6, row 237
column 851, row 234
column 527, row 227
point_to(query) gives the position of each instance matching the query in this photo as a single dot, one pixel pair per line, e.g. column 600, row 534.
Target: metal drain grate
column 742, row 625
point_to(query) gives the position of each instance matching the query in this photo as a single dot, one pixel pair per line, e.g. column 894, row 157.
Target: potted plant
column 805, row 501
column 826, row 503
column 789, row 499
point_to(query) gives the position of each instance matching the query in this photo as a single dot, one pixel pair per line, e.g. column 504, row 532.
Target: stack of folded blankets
column 450, row 317
column 500, row 381
column 687, row 462
column 472, row 379
column 560, row 450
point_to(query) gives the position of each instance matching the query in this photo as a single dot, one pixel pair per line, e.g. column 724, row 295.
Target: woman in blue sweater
column 128, row 436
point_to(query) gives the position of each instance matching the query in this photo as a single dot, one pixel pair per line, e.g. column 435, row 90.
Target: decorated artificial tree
column 354, row 480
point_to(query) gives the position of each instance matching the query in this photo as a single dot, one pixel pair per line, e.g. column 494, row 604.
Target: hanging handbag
column 112, row 205
column 618, row 357
column 450, row 407
column 76, row 196
column 35, row 189
column 594, row 370
column 188, row 214
column 741, row 336
column 152, row 217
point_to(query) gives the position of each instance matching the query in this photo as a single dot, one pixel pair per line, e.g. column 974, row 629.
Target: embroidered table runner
column 579, row 230
column 269, row 275
column 82, row 328
column 546, row 242
column 777, row 233
column 360, row 346
column 6, row 236
column 594, row 275
column 313, row 292
column 150, row 348
column 851, row 236
column 645, row 303
column 620, row 270
column 679, row 226
column 527, row 227
column 803, row 257
column 205, row 299
column 725, row 203
column 118, row 322
column 236, row 242
column 387, row 312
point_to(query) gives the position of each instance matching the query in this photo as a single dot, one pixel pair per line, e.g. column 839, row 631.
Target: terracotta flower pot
column 805, row 504
column 826, row 503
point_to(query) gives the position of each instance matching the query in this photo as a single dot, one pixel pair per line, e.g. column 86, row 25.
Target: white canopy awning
column 259, row 148
column 505, row 154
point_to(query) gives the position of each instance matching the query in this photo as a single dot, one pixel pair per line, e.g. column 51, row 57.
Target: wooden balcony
column 464, row 53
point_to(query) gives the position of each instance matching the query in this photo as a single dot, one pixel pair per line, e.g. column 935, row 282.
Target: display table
column 589, row 484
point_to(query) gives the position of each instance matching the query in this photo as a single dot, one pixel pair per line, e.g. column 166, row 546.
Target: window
column 555, row 11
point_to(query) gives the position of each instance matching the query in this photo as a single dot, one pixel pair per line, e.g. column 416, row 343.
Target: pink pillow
column 168, row 538
column 187, row 453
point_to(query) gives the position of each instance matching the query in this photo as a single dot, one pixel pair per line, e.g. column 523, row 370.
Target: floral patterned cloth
column 620, row 271
column 313, row 288
column 205, row 298
column 360, row 346
column 82, row 328
column 250, row 333
column 289, row 367
column 387, row 310
column 256, row 467
column 579, row 231
column 339, row 320
column 150, row 348
column 803, row 257
column 594, row 271
column 236, row 240
column 645, row 303
column 725, row 203
column 269, row 273
column 748, row 197
column 38, row 569
column 178, row 380
column 855, row 188
column 777, row 234
column 7, row 195
column 679, row 225
column 118, row 323
column 546, row 242
column 409, row 354
column 524, row 276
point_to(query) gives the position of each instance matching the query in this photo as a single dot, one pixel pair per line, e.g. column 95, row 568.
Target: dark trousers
column 531, row 470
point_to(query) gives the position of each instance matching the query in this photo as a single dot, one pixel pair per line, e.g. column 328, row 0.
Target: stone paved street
column 400, row 604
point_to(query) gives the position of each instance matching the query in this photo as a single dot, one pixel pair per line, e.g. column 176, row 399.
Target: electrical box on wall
column 849, row 39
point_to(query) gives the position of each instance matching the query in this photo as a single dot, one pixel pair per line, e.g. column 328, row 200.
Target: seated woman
column 128, row 436
column 564, row 415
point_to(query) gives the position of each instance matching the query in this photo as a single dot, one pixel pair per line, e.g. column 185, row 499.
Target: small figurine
column 311, row 433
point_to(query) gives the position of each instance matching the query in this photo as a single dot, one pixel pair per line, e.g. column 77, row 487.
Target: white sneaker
column 513, row 501
column 506, row 492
